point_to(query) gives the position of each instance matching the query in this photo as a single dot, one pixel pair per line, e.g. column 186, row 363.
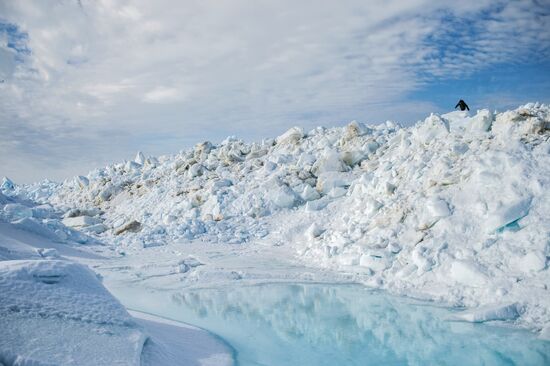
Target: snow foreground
column 453, row 209
column 49, row 306
column 54, row 311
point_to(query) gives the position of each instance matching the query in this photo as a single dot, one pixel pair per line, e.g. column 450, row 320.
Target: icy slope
column 454, row 208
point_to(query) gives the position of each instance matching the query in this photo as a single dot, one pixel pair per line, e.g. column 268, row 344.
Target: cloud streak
column 204, row 69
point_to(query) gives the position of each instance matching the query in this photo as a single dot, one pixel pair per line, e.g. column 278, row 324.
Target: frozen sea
column 452, row 210
column 322, row 324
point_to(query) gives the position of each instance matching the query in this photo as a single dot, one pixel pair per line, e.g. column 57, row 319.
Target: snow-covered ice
column 49, row 306
column 56, row 311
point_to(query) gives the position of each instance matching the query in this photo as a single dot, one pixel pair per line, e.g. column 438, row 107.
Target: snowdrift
column 57, row 312
column 455, row 208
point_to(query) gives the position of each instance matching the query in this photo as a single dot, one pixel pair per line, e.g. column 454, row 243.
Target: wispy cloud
column 204, row 69
column 502, row 32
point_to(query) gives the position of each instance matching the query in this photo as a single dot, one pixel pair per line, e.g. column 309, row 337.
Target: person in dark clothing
column 462, row 104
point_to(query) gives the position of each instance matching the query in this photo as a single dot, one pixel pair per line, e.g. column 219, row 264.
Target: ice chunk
column 411, row 236
column 317, row 204
column 131, row 166
column 482, row 121
column 336, row 192
column 329, row 161
column 133, row 226
column 375, row 260
column 389, row 188
column 460, row 148
column 7, row 184
column 305, row 159
column 17, row 211
column 187, row 264
column 352, row 158
column 94, row 211
column 431, row 129
column 458, row 121
column 421, row 258
column 329, row 180
column 355, row 129
column 314, row 231
column 140, row 158
column 371, row 146
column 292, row 136
column 282, row 196
column 195, row 170
column 108, row 192
column 3, row 199
column 221, row 183
column 202, row 149
column 433, row 210
column 372, row 206
column 309, row 193
column 531, row 262
column 520, row 122
column 506, row 213
column 82, row 181
column 47, row 253
column 490, row 312
column 32, row 225
column 81, row 221
column 96, row 229
column 44, row 211
column 438, row 207
column 467, row 273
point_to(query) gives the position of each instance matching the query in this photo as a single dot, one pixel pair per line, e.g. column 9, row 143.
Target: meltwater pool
column 319, row 324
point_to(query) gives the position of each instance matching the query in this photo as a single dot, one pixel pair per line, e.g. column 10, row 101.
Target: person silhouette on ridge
column 462, row 104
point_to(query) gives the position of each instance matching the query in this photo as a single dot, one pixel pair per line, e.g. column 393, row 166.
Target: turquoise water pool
column 319, row 324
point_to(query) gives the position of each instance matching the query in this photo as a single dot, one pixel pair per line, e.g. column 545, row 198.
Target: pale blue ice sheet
column 317, row 324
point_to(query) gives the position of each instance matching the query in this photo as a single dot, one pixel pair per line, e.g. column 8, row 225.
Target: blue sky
column 497, row 87
column 87, row 83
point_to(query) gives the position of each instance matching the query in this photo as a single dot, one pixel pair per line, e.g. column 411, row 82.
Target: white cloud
column 162, row 94
column 207, row 68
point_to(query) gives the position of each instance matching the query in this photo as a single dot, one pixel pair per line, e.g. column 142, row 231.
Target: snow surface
column 56, row 311
column 175, row 343
column 49, row 306
column 453, row 209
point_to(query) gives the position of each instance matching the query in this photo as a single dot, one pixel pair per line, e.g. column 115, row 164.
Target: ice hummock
column 454, row 208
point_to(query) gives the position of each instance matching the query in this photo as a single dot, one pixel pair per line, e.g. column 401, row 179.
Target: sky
column 87, row 83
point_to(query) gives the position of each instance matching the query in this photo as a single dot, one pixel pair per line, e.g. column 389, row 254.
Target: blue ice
column 318, row 324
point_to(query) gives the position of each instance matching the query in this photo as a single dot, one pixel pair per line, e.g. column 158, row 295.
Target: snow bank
column 454, row 208
column 48, row 303
column 88, row 300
